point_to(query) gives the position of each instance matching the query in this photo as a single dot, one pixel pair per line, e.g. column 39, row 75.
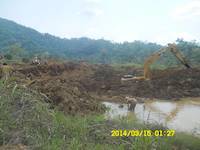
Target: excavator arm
column 178, row 55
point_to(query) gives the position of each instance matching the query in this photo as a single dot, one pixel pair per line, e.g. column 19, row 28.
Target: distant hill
column 95, row 51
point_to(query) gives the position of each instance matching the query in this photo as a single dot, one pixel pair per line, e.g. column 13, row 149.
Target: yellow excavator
column 151, row 59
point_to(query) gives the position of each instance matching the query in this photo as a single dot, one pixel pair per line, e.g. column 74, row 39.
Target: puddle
column 181, row 115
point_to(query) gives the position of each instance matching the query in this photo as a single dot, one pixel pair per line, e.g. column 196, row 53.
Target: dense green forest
column 20, row 41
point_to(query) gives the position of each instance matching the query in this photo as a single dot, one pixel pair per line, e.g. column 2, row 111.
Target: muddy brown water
column 181, row 115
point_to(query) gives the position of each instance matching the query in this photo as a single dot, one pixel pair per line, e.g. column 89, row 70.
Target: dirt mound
column 60, row 84
column 55, row 69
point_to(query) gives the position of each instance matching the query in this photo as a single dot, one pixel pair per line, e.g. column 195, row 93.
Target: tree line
column 17, row 41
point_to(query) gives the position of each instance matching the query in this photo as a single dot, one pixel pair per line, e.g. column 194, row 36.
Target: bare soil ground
column 78, row 87
column 172, row 83
column 60, row 84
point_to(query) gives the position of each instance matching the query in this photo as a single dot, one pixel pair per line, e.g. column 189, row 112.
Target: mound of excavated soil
column 60, row 84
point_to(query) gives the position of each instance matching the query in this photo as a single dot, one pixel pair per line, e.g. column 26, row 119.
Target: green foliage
column 25, row 118
column 8, row 56
column 17, row 40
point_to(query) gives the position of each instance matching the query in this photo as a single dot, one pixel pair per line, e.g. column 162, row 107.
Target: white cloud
column 93, row 1
column 91, row 8
column 91, row 12
column 188, row 10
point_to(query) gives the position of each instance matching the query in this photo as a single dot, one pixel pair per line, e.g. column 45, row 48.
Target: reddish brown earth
column 78, row 87
column 165, row 84
column 60, row 84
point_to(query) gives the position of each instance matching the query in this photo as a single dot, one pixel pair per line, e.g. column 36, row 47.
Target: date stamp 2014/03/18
column 127, row 133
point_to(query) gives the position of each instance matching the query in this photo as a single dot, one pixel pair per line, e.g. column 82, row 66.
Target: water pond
column 183, row 115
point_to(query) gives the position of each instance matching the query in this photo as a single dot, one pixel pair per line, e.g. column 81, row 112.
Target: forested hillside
column 19, row 40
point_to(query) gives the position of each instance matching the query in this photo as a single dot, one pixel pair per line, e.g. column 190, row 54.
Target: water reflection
column 181, row 115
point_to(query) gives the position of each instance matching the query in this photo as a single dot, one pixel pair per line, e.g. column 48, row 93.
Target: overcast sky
column 159, row 21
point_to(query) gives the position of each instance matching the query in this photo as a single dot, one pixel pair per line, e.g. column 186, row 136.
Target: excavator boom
column 150, row 60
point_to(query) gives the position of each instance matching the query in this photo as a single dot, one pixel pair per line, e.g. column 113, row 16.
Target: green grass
column 25, row 118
